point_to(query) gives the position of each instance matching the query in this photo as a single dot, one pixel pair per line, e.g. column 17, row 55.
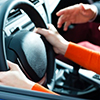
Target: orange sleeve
column 40, row 88
column 87, row 58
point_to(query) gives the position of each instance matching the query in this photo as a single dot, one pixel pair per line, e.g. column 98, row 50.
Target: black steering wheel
column 30, row 50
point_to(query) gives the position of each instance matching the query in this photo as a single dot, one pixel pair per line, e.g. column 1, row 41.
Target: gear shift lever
column 73, row 80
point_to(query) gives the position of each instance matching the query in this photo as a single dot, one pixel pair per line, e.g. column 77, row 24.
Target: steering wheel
column 31, row 51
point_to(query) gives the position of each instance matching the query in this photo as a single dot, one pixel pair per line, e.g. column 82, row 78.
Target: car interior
column 30, row 51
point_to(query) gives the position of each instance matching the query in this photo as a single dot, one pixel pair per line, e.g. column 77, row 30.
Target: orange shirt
column 40, row 88
column 87, row 58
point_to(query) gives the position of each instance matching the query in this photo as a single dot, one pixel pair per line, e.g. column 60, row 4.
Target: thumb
column 12, row 66
column 60, row 12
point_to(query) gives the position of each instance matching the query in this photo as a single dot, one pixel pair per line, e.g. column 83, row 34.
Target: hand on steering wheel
column 15, row 77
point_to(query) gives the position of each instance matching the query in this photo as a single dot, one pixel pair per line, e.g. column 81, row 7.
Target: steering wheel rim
column 38, row 21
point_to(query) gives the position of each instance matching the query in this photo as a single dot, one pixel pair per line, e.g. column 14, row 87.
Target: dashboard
column 18, row 19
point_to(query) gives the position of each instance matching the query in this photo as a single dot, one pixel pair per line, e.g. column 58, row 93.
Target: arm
column 87, row 58
column 83, row 56
column 78, row 13
column 15, row 77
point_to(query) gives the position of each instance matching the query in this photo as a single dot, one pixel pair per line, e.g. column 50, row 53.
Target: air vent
column 14, row 13
column 34, row 1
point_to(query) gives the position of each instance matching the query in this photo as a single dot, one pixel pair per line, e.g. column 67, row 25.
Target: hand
column 57, row 41
column 15, row 77
column 79, row 13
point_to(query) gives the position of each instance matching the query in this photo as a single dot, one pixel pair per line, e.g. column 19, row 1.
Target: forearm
column 85, row 57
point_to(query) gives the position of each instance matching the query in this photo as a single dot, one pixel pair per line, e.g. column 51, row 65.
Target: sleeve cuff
column 38, row 87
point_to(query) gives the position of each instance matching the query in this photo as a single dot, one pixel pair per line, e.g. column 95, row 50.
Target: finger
column 49, row 26
column 66, row 25
column 12, row 65
column 52, row 28
column 60, row 21
column 60, row 12
column 41, row 31
column 9, row 62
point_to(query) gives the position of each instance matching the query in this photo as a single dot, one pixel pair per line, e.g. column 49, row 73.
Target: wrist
column 28, row 84
column 64, row 47
column 95, row 12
